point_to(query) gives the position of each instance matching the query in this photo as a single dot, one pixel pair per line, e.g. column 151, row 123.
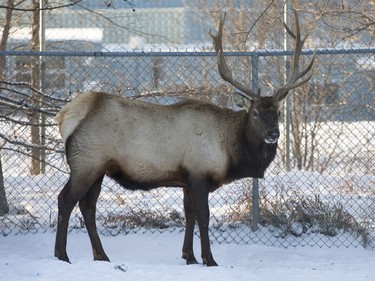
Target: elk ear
column 241, row 101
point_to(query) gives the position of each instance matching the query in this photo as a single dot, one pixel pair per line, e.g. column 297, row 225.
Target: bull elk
column 192, row 144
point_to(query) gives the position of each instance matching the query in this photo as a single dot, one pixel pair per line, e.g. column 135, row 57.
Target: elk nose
column 274, row 133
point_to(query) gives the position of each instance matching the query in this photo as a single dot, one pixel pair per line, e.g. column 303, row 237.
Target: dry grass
column 301, row 215
column 142, row 219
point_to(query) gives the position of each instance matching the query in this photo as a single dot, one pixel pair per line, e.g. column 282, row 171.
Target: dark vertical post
column 287, row 101
column 255, row 193
column 42, row 83
column 4, row 208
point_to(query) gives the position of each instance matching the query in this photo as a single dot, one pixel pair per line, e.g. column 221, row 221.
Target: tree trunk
column 4, row 209
column 5, row 33
column 35, row 117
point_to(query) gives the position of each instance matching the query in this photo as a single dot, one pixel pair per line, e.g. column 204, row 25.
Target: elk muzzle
column 272, row 136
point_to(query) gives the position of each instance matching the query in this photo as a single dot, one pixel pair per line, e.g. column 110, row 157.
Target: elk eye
column 255, row 113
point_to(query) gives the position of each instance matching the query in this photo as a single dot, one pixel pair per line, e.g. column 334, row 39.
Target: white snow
column 157, row 257
column 92, row 34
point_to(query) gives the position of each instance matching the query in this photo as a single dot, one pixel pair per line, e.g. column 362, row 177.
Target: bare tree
column 250, row 23
column 352, row 20
column 4, row 39
column 4, row 209
column 35, row 117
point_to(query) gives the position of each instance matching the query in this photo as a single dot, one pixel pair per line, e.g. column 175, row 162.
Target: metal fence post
column 287, row 101
column 42, row 83
column 255, row 192
column 287, row 122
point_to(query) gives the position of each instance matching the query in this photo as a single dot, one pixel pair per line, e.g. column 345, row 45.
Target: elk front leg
column 199, row 197
column 187, row 249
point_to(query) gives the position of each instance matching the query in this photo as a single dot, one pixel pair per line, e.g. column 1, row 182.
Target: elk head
column 263, row 112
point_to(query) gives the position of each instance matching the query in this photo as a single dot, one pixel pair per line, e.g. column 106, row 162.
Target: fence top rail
column 256, row 53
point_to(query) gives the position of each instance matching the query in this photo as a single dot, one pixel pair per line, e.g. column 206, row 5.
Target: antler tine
column 295, row 74
column 224, row 70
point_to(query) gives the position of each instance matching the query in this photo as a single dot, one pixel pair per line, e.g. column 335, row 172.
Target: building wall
column 155, row 26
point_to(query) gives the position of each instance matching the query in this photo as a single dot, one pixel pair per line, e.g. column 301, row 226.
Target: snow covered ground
column 157, row 257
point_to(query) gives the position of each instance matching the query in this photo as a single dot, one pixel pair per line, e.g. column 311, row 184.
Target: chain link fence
column 320, row 190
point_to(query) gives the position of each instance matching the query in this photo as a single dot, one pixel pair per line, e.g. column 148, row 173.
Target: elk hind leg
column 87, row 206
column 67, row 199
column 187, row 249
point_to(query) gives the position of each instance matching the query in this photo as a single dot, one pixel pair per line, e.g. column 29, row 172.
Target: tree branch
column 255, row 22
column 43, row 9
column 27, row 145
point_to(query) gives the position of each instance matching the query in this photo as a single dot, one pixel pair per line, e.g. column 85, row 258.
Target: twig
column 43, row 9
column 255, row 22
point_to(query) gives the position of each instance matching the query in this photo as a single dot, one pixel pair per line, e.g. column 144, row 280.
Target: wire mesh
column 326, row 198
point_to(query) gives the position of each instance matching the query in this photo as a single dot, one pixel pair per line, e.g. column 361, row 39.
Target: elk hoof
column 190, row 259
column 209, row 261
column 63, row 257
column 101, row 258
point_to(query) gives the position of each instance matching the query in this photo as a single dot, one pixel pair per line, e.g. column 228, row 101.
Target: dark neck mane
column 252, row 160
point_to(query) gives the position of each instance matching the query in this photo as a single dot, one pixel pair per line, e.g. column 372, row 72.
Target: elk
column 192, row 144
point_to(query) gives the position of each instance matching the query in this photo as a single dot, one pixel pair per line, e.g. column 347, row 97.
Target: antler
column 224, row 70
column 295, row 75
